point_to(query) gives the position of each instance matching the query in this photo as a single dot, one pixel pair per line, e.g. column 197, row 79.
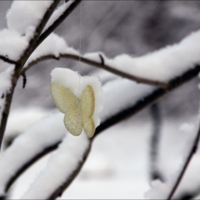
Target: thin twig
column 6, row 59
column 101, row 65
column 187, row 162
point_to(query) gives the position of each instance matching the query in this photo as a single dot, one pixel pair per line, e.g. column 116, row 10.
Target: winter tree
column 159, row 150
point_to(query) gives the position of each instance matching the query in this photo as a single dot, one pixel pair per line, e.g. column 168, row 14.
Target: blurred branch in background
column 155, row 142
column 192, row 152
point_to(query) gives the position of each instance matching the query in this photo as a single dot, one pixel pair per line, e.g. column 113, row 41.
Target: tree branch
column 123, row 114
column 154, row 142
column 99, row 65
column 148, row 100
column 185, row 166
column 57, row 22
column 6, row 59
column 29, row 163
column 19, row 65
column 59, row 191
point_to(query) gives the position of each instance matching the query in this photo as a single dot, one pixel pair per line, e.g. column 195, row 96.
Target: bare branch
column 154, row 142
column 187, row 162
column 24, row 80
column 6, row 59
column 99, row 65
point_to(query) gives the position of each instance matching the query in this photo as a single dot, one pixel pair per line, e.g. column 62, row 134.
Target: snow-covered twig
column 187, row 162
column 58, row 21
column 99, row 65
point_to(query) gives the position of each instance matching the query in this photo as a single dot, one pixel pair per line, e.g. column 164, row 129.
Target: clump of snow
column 76, row 83
column 5, row 86
column 52, row 45
column 57, row 13
column 59, row 168
column 25, row 14
column 12, row 44
column 45, row 133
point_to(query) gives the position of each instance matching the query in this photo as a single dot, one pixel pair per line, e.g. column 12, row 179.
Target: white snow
column 26, row 15
column 12, row 44
column 59, row 167
column 163, row 64
column 28, row 116
column 45, row 133
column 77, row 83
column 57, row 13
column 121, row 94
column 5, row 86
column 52, row 45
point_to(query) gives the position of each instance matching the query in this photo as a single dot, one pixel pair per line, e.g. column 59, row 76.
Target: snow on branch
column 28, row 147
column 61, row 168
column 23, row 16
column 12, row 44
column 156, row 68
column 62, row 16
column 26, row 51
column 126, row 106
column 57, row 14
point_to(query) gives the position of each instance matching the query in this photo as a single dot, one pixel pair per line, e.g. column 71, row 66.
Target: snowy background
column 117, row 165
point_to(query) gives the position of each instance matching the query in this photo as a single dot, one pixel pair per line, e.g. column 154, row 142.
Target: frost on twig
column 28, row 147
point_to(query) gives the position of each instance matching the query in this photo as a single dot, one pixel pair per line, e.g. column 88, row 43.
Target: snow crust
column 26, row 15
column 57, row 13
column 59, row 167
column 12, row 44
column 5, row 78
column 52, row 45
column 76, row 83
column 45, row 133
